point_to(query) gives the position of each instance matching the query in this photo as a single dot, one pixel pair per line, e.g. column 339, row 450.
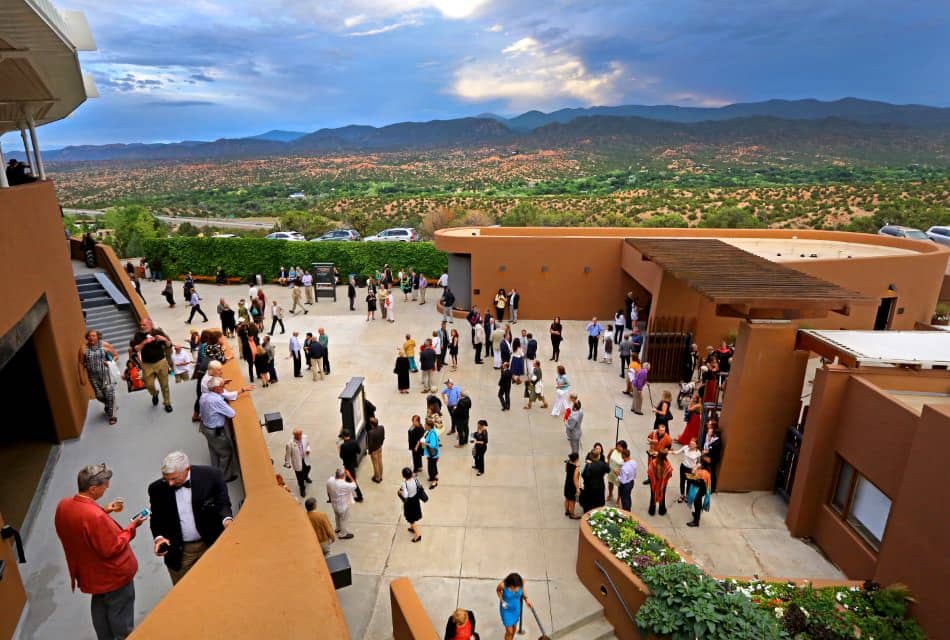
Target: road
column 231, row 223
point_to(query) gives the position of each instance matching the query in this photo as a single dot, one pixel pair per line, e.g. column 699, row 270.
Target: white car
column 398, row 234
column 292, row 236
column 940, row 235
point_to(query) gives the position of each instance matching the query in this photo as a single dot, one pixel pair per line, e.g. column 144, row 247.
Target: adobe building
column 866, row 481
column 576, row 273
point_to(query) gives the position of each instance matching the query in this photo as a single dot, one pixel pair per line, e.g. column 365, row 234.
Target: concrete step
column 594, row 627
column 97, row 301
column 88, row 286
column 85, row 278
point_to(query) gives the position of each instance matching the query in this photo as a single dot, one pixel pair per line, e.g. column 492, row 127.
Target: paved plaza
column 475, row 529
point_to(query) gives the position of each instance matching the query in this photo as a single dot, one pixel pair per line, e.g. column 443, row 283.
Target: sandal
column 417, row 539
column 113, row 420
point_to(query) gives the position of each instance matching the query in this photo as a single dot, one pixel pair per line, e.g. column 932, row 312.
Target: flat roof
column 810, row 249
column 743, row 284
column 919, row 349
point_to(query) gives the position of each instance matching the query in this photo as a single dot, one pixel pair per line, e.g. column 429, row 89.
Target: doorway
column 460, row 279
column 25, row 444
column 885, row 314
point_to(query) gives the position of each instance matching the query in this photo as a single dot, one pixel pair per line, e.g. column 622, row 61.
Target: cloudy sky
column 201, row 69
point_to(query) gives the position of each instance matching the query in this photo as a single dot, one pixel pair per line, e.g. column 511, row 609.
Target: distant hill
column 850, row 128
column 866, row 111
column 278, row 135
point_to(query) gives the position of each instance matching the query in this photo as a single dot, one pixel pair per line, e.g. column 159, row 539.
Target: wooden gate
column 666, row 346
column 785, row 478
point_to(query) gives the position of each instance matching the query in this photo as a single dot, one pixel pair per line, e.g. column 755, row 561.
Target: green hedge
column 242, row 257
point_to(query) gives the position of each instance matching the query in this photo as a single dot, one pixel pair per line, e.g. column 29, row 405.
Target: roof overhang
column 40, row 76
column 913, row 349
column 744, row 285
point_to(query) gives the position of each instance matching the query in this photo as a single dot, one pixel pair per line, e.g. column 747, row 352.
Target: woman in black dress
column 370, row 303
column 402, row 371
column 556, row 338
column 416, row 433
column 454, row 349
column 572, row 482
column 662, row 412
column 592, row 495
column 480, row 439
column 411, row 503
column 169, row 294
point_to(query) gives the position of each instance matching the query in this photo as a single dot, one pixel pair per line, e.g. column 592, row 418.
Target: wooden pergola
column 744, row 285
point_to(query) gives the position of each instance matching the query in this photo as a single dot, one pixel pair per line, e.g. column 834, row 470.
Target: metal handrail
column 610, row 581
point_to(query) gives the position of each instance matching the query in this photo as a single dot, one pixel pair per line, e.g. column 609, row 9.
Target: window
column 862, row 505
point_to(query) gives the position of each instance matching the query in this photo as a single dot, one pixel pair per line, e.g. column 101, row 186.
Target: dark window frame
column 844, row 514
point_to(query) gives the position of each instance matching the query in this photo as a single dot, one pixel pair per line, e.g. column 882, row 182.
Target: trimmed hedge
column 244, row 257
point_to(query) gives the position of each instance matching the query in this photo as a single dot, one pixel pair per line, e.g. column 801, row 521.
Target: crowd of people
column 154, row 357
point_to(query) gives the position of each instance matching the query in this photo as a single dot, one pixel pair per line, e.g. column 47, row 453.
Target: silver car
column 397, row 234
column 344, row 235
column 940, row 235
column 902, row 232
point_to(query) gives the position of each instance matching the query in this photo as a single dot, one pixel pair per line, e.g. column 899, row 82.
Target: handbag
column 421, row 493
column 114, row 373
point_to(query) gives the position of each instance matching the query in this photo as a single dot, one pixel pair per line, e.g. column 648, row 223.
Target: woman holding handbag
column 412, row 495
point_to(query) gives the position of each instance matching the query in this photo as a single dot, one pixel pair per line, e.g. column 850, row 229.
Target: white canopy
column 924, row 349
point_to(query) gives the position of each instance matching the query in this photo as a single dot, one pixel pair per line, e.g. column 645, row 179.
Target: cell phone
column 163, row 547
column 144, row 513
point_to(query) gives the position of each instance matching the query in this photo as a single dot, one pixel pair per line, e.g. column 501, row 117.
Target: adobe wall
column 898, row 451
column 34, row 257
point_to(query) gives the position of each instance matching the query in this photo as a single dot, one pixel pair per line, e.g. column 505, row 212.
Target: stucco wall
column 34, row 258
column 898, row 450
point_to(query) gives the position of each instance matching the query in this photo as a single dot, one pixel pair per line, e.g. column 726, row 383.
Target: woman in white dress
column 562, row 389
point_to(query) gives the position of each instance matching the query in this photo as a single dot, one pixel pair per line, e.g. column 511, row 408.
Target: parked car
column 398, row 234
column 940, row 235
column 902, row 232
column 344, row 235
column 293, row 236
column 224, row 235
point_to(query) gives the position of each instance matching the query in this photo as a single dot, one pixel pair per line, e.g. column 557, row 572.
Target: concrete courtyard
column 475, row 529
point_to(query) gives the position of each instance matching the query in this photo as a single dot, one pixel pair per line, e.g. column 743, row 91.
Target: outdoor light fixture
column 586, row 269
column 273, row 422
column 502, row 267
column 544, row 268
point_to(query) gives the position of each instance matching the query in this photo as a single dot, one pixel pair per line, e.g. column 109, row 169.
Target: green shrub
column 685, row 603
column 243, row 257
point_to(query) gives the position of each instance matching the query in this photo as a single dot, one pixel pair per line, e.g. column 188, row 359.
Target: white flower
column 838, row 596
column 779, row 612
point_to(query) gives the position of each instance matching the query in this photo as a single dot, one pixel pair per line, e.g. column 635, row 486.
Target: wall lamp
column 586, row 269
column 502, row 267
column 544, row 268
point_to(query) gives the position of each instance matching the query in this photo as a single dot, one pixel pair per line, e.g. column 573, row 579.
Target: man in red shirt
column 98, row 554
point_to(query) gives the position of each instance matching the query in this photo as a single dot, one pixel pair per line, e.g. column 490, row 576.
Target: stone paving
column 477, row 529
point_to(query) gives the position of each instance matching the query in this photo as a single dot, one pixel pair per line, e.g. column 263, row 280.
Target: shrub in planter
column 685, row 603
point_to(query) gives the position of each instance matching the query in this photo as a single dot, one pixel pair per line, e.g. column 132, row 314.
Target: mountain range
column 806, row 124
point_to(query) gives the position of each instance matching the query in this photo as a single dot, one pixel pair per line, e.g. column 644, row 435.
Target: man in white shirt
column 444, row 280
column 276, row 317
column 297, row 457
column 195, row 302
column 307, row 282
column 423, row 285
column 295, row 349
column 340, row 490
column 181, row 360
column 626, row 478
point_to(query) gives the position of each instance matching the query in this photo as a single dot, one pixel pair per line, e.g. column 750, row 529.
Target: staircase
column 106, row 309
column 591, row 627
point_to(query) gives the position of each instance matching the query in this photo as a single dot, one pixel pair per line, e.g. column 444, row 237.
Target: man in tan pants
column 374, row 445
column 150, row 342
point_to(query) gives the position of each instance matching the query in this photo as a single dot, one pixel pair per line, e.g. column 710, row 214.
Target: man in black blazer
column 190, row 509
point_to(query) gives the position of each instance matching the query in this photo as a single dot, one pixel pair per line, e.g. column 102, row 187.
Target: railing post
column 38, row 160
column 3, row 171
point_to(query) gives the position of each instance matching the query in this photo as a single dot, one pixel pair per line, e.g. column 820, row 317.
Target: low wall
column 410, row 620
column 591, row 550
column 265, row 577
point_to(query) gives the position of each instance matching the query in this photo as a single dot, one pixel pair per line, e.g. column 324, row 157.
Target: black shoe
column 646, row 482
column 168, row 408
column 309, row 481
column 346, row 537
column 691, row 523
column 155, row 401
column 231, row 479
column 360, row 499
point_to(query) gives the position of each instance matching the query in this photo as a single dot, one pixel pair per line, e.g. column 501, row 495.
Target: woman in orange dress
column 659, row 472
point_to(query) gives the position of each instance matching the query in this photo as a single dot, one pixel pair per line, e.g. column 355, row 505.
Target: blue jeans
column 623, row 492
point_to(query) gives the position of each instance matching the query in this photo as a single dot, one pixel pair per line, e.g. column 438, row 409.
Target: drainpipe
column 36, row 151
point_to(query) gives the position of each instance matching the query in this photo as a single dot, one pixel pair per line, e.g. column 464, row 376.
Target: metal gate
column 666, row 347
column 460, row 279
column 787, row 466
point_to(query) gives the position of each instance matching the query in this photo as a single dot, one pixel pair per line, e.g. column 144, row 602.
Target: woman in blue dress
column 510, row 595
column 517, row 361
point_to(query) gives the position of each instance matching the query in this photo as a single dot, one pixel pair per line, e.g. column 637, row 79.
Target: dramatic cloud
column 527, row 75
column 239, row 67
